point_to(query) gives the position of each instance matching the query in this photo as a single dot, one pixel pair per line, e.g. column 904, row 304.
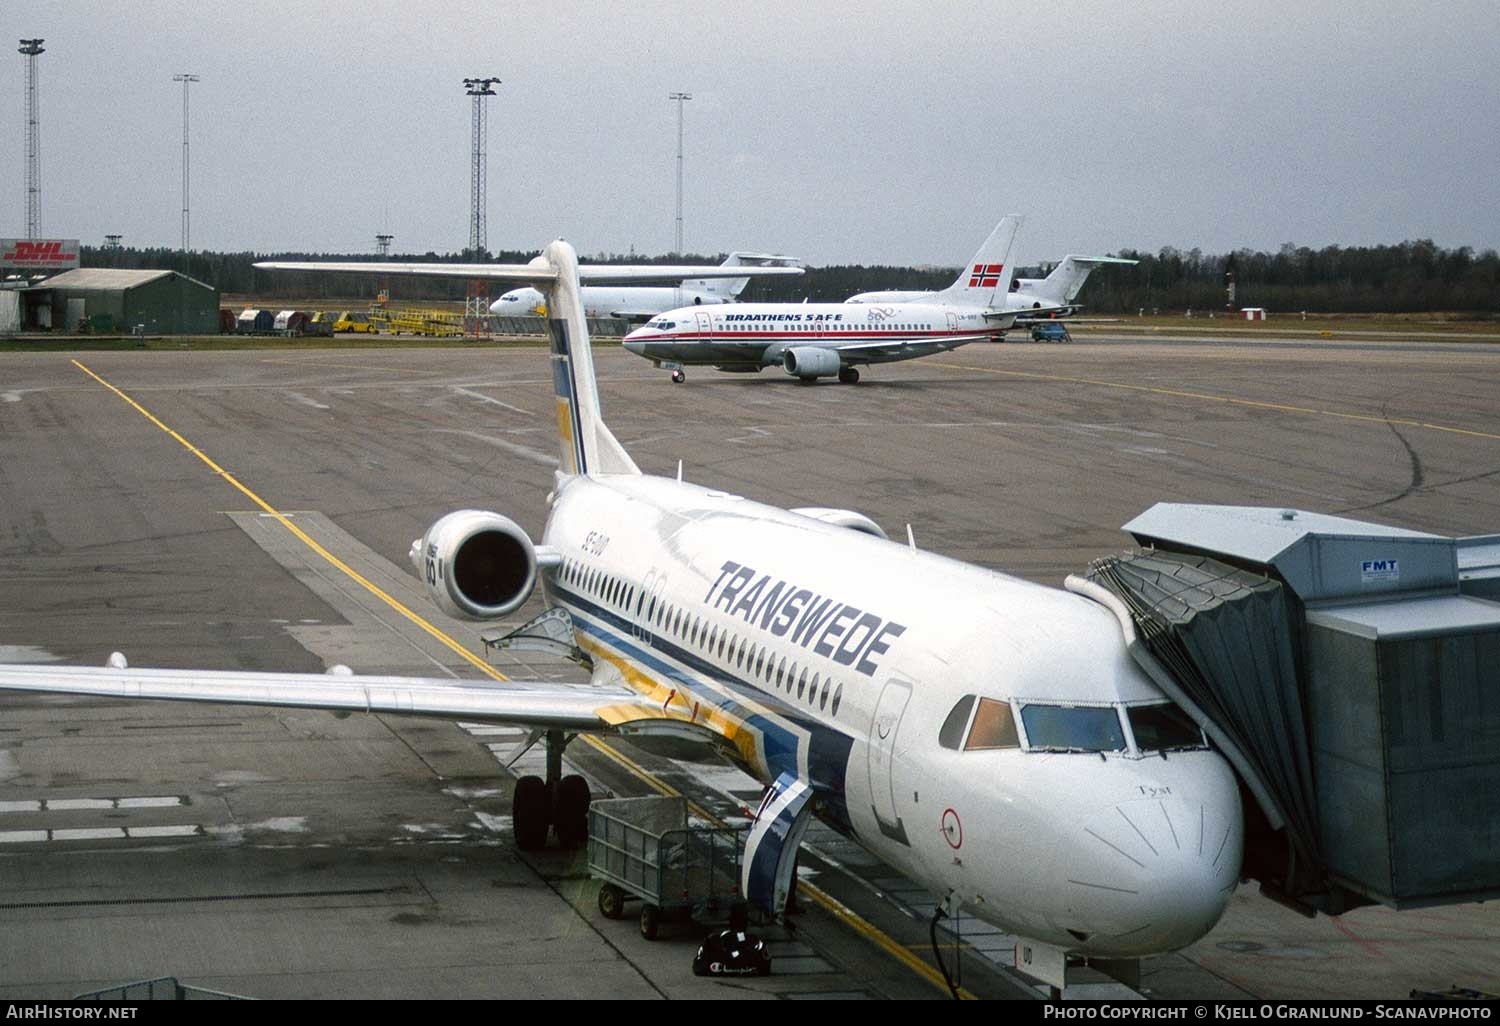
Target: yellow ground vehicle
column 353, row 320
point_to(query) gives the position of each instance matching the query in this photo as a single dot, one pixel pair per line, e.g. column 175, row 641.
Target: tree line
column 1407, row 277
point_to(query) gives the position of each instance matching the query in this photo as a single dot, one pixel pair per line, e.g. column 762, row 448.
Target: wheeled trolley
column 644, row 848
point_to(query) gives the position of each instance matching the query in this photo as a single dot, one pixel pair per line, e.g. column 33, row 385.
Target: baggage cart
column 645, row 849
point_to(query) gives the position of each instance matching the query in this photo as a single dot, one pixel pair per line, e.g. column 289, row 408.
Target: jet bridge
column 1350, row 672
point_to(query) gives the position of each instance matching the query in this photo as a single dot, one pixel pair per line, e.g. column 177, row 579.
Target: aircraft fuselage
column 844, row 658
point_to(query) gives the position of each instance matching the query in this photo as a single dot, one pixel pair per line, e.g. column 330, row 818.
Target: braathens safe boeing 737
column 820, row 340
column 989, row 737
column 640, row 302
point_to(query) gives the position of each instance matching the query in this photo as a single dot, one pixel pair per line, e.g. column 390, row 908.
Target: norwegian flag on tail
column 985, row 276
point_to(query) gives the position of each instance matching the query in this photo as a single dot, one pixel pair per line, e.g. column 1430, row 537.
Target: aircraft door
column 705, row 323
column 884, row 729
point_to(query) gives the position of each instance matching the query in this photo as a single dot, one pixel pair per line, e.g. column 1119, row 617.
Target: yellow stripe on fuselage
column 675, row 704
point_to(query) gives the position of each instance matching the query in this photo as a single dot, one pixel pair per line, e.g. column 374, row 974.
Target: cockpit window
column 1062, row 728
column 985, row 728
column 994, row 727
column 952, row 734
column 1164, row 727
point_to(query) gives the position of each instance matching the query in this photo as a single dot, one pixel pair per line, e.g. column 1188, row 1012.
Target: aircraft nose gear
column 678, row 377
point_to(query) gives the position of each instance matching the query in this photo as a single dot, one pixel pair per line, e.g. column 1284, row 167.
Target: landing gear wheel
column 611, row 901
column 570, row 815
column 531, row 813
column 650, row 921
column 678, row 377
column 849, row 375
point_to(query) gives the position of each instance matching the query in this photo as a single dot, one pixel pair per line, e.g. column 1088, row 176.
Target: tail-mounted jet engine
column 477, row 565
column 808, row 362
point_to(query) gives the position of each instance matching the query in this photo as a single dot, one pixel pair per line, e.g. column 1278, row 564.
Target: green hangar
column 111, row 300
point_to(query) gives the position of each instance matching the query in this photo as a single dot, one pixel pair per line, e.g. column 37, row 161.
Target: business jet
column 641, row 302
column 1031, row 298
column 987, row 736
column 820, row 340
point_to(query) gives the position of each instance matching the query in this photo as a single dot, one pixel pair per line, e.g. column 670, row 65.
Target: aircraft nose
column 634, row 344
column 1156, row 874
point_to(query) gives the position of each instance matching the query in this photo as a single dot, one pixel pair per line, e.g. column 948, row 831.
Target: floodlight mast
column 31, row 49
column 680, row 99
column 479, row 89
column 186, row 81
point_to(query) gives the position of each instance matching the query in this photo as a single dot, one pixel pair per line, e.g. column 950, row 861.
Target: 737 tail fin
column 1067, row 278
column 586, row 445
column 985, row 280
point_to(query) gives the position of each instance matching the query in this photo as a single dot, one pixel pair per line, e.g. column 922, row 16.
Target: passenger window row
column 708, row 638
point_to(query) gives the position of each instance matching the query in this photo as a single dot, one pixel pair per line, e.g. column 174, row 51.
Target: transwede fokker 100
column 989, row 737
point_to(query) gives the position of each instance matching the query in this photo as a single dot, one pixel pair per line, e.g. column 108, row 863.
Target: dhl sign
column 38, row 254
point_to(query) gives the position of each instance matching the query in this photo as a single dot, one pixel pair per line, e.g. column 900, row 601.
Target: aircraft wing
column 533, row 274
column 536, row 705
column 881, row 351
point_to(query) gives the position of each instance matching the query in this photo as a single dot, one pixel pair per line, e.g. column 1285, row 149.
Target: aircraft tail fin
column 585, row 444
column 732, row 287
column 1067, row 278
column 985, row 280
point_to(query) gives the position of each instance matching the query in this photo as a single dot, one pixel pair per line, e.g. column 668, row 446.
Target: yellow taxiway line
column 834, row 907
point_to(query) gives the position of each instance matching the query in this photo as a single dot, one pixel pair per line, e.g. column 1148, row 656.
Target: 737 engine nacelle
column 809, row 362
column 476, row 565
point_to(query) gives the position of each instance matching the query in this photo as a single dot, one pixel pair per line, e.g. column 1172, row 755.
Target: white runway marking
column 90, row 834
column 69, row 804
column 298, row 397
column 26, row 654
column 185, row 830
column 525, row 452
column 487, row 399
column 162, row 801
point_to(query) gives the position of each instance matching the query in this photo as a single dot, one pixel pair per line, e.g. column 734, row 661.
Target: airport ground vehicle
column 645, row 848
column 1050, row 331
column 353, row 320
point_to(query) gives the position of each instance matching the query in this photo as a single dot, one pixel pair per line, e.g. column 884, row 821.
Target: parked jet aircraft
column 819, row 340
column 1032, row 298
column 989, row 737
column 640, row 302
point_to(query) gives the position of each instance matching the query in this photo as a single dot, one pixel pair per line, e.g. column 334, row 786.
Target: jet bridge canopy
column 1350, row 675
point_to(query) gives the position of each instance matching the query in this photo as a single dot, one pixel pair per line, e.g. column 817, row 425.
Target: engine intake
column 476, row 565
column 809, row 362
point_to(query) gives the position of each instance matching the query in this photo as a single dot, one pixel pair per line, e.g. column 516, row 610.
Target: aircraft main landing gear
column 678, row 377
column 848, row 375
column 560, row 803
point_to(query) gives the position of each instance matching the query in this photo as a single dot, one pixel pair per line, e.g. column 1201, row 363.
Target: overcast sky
column 840, row 132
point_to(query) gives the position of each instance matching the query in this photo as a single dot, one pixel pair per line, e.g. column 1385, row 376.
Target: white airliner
column 821, row 340
column 989, row 737
column 1032, row 298
column 640, row 302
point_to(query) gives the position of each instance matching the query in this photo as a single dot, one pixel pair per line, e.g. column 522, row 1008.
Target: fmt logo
column 985, row 276
column 1379, row 570
column 39, row 252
